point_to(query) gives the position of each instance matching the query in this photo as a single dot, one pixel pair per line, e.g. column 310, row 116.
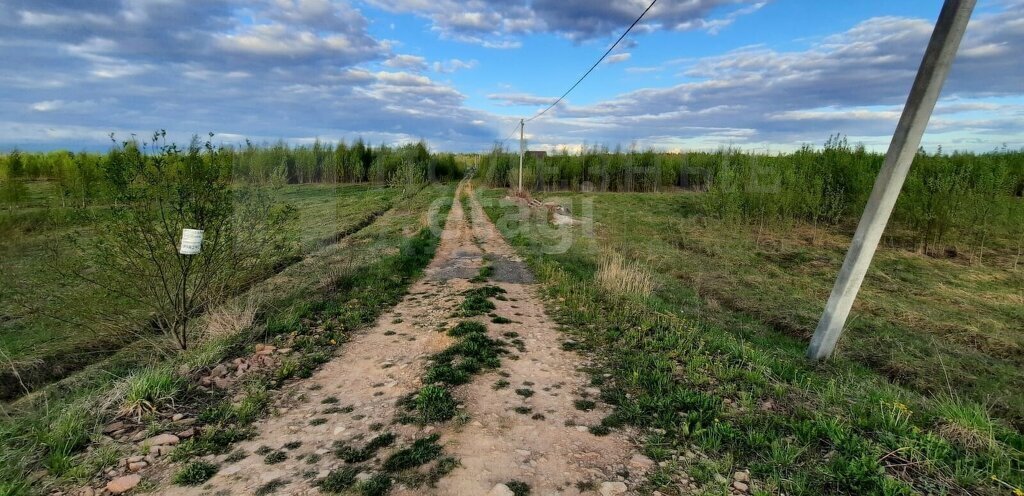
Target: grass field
column 54, row 325
column 342, row 286
column 703, row 326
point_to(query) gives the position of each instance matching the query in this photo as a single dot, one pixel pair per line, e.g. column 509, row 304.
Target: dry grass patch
column 619, row 276
column 230, row 318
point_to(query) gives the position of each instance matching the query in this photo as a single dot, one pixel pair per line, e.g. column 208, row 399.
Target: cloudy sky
column 697, row 74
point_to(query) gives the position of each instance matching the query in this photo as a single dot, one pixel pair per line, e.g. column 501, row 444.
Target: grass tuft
column 420, row 452
column 519, row 488
column 195, row 473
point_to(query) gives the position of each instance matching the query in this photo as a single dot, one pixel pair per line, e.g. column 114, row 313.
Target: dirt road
column 521, row 422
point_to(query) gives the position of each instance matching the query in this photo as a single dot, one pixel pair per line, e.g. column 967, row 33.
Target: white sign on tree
column 191, row 241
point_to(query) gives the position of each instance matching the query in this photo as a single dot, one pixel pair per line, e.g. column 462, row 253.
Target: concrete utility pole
column 938, row 58
column 522, row 150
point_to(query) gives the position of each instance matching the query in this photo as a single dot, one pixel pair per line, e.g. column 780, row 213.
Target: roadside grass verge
column 718, row 390
column 311, row 304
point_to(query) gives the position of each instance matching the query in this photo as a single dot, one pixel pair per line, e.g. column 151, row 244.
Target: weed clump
column 338, row 481
column 271, row 487
column 466, row 328
column 195, row 473
column 519, row 488
column 430, row 404
column 474, row 352
column 356, row 455
column 422, row 451
column 275, row 457
column 477, row 302
column 524, row 392
column 378, row 485
column 485, row 273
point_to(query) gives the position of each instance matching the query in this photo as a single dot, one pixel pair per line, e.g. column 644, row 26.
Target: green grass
column 57, row 325
column 519, row 488
column 195, row 473
column 430, row 404
column 356, row 455
column 44, row 433
column 339, row 480
column 906, row 405
column 419, row 453
column 473, row 353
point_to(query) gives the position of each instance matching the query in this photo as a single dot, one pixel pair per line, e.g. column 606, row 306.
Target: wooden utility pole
column 938, row 57
column 522, row 150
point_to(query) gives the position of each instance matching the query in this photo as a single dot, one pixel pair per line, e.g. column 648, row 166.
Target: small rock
column 177, row 416
column 581, row 428
column 612, row 488
column 162, row 440
column 185, row 434
column 741, row 476
column 114, row 427
column 139, row 436
column 741, row 487
column 123, row 484
column 362, row 476
column 133, row 459
column 219, row 371
column 284, row 351
column 136, row 466
column 640, row 463
column 500, row 490
column 87, row 491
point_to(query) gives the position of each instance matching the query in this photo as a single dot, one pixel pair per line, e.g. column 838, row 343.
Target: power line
column 580, row 80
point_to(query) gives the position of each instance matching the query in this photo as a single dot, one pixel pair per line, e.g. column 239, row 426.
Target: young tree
column 159, row 191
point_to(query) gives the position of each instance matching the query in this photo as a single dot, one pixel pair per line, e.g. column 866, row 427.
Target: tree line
column 949, row 200
column 85, row 178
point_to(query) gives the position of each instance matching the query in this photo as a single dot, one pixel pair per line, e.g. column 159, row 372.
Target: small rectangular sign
column 191, row 241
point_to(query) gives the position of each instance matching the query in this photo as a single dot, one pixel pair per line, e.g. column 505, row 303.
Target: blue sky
column 697, row 74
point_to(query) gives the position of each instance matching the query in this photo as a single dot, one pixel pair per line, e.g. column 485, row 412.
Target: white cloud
column 453, row 65
column 410, row 62
column 617, row 58
column 47, row 105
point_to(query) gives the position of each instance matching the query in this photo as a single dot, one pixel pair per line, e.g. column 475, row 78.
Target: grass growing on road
column 713, row 357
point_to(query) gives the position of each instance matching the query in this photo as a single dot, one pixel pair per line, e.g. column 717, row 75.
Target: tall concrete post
column 522, row 150
column 938, row 57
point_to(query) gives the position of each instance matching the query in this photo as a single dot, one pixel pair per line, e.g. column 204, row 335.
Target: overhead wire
column 584, row 76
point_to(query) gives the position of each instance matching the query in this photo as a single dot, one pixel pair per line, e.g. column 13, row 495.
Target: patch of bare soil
column 526, row 421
